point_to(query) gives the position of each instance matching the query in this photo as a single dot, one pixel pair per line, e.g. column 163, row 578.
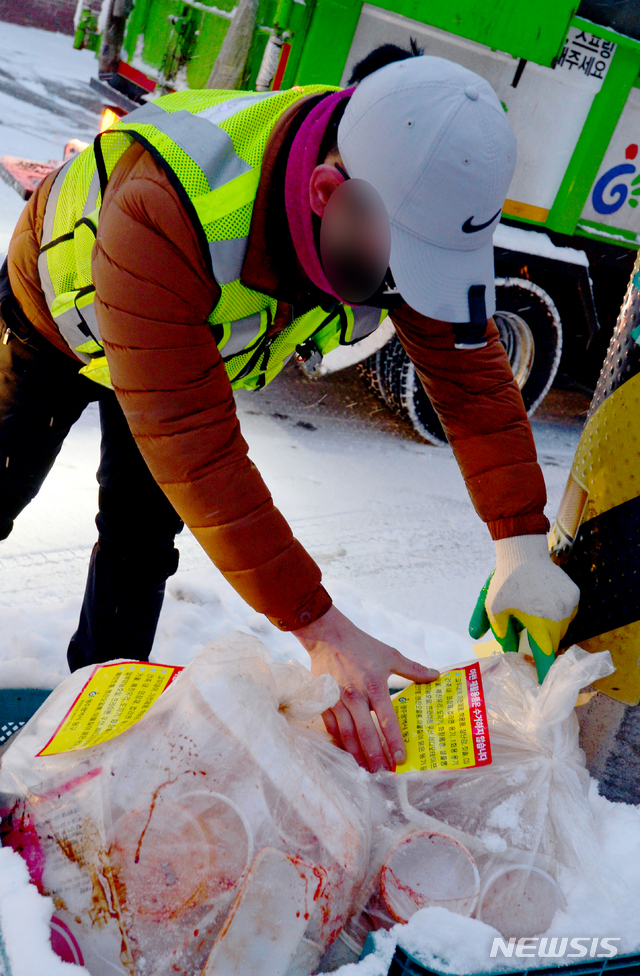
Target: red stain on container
column 161, row 880
column 429, row 868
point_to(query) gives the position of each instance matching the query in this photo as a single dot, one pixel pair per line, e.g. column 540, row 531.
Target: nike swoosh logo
column 469, row 228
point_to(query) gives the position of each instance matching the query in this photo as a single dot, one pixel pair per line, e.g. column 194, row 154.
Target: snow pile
column 401, row 556
column 198, row 608
column 24, row 924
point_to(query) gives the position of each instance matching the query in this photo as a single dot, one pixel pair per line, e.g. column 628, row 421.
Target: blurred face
column 355, row 240
column 355, row 235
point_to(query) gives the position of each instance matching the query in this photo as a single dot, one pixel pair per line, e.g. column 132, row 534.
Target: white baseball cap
column 433, row 139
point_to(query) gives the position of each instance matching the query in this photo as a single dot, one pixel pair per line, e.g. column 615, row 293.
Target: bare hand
column 361, row 665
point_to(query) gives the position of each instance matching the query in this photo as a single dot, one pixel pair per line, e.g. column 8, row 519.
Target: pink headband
column 303, row 159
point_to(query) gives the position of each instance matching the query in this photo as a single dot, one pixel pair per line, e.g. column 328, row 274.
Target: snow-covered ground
column 386, row 516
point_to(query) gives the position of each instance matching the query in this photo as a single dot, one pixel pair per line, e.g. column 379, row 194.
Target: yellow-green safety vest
column 211, row 144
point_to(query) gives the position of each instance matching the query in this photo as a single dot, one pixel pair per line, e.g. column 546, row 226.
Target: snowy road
column 45, row 100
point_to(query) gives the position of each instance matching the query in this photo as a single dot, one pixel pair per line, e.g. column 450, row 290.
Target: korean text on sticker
column 115, row 697
column 586, row 53
column 444, row 724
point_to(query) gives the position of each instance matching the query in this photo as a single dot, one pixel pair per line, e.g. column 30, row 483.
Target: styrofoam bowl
column 519, row 901
column 429, row 868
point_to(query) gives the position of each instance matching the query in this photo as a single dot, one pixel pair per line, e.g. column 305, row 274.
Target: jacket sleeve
column 153, row 296
column 481, row 410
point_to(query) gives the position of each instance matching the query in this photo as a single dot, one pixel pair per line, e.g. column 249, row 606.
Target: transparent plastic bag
column 490, row 841
column 218, row 823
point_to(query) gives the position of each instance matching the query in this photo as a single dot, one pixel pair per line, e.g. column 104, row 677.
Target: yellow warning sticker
column 444, row 724
column 115, row 697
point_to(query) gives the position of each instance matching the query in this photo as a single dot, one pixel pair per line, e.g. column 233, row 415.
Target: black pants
column 42, row 395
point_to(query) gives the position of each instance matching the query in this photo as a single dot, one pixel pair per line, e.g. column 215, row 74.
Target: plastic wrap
column 218, row 834
column 490, row 841
column 221, row 836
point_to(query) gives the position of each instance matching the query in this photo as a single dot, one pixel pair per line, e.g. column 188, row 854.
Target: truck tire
column 530, row 331
column 372, row 370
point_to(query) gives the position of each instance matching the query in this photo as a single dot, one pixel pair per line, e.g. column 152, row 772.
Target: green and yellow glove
column 528, row 592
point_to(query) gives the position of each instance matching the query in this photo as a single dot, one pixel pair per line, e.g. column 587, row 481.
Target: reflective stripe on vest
column 91, row 203
column 208, row 146
column 231, row 184
column 227, row 258
column 69, row 325
column 72, row 310
column 365, row 321
column 220, row 186
column 243, row 335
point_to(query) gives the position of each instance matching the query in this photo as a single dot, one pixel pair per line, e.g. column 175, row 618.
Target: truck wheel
column 372, row 370
column 391, row 375
column 531, row 332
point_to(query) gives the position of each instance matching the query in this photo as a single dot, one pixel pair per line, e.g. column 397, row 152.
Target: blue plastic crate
column 403, row 964
column 17, row 705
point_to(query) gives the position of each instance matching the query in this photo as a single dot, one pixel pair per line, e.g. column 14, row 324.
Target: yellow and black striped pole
column 596, row 535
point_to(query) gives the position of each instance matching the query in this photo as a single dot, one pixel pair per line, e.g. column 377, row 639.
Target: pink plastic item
column 64, row 943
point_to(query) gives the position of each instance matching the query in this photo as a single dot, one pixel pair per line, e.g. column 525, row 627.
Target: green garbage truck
column 569, row 81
